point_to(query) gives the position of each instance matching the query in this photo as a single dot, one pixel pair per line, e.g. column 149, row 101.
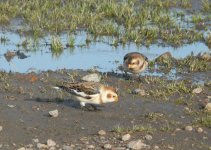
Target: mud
column 26, row 99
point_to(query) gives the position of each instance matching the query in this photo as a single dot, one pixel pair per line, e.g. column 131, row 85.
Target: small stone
column 186, row 108
column 29, row 146
column 1, row 128
column 170, row 147
column 67, row 147
column 148, row 137
column 11, row 106
column 51, row 143
column 208, row 107
column 54, row 113
column 203, row 103
column 35, row 140
column 156, row 147
column 90, row 146
column 141, row 92
column 204, row 56
column 107, row 146
column 119, row 148
column 41, row 146
column 136, row 145
column 94, row 77
column 22, row 148
column 29, row 149
column 164, row 58
column 188, row 128
column 197, row 90
column 177, row 129
column 52, row 148
column 102, row 132
column 126, row 137
column 200, row 130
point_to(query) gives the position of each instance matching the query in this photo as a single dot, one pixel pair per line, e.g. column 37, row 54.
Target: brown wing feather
column 89, row 88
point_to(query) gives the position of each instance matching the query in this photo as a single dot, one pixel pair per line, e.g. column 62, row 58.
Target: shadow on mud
column 68, row 102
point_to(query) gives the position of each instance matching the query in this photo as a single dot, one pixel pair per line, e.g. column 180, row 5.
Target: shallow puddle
column 99, row 55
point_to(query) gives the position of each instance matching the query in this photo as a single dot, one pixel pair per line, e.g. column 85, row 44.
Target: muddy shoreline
column 26, row 100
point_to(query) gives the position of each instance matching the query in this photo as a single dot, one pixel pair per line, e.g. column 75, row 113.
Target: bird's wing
column 85, row 89
column 126, row 56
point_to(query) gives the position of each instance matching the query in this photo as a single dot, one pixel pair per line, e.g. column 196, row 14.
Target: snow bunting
column 135, row 62
column 90, row 93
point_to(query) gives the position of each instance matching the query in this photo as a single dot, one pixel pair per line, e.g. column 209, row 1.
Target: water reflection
column 81, row 56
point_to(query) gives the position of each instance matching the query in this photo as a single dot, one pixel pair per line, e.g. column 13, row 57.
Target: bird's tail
column 58, row 87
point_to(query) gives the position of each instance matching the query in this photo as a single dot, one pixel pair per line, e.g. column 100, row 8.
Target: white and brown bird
column 90, row 93
column 135, row 62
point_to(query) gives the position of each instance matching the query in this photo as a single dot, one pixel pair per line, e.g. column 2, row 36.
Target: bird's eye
column 114, row 96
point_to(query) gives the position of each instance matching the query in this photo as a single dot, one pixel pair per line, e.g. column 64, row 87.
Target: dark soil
column 32, row 96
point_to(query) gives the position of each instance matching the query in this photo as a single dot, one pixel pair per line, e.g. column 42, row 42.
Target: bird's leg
column 134, row 77
column 126, row 75
column 83, row 106
column 94, row 107
column 89, row 107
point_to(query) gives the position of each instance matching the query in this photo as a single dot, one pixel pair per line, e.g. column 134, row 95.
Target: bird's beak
column 116, row 99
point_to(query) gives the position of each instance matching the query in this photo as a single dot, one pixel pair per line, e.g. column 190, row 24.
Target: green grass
column 127, row 21
column 192, row 63
column 206, row 5
column 56, row 45
column 206, row 120
column 135, row 128
column 4, row 39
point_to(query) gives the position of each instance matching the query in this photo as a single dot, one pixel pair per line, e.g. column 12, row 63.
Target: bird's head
column 109, row 94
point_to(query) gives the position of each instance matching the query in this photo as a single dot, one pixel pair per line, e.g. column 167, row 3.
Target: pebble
column 177, row 129
column 22, row 148
column 29, row 146
column 41, row 146
column 101, row 132
column 170, row 147
column 54, row 113
column 136, row 145
column 188, row 128
column 164, row 57
column 148, row 137
column 205, row 56
column 197, row 90
column 156, row 147
column 141, row 92
column 119, row 148
column 52, row 148
column 67, row 147
column 1, row 128
column 126, row 137
column 35, row 140
column 11, row 106
column 200, row 130
column 107, row 146
column 94, row 77
column 208, row 107
column 51, row 143
column 90, row 147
